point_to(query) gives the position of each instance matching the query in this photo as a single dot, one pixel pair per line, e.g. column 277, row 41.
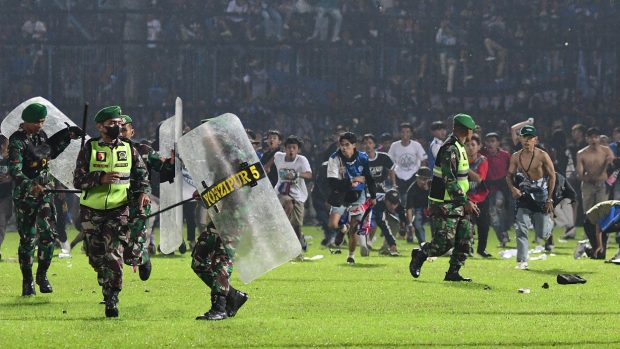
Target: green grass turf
column 324, row 303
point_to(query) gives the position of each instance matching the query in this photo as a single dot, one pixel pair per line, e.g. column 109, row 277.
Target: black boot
column 234, row 300
column 111, row 302
column 42, row 281
column 218, row 308
column 453, row 274
column 418, row 257
column 27, row 282
column 144, row 270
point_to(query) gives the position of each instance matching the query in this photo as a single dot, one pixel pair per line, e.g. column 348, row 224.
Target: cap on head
column 593, row 131
column 465, row 121
column 34, row 112
column 107, row 113
column 424, row 172
column 386, row 136
column 438, row 125
column 252, row 136
column 127, row 119
column 527, row 131
column 392, row 196
column 492, row 135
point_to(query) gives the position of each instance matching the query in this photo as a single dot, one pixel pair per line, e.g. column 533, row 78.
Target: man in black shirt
column 274, row 142
column 417, row 202
column 390, row 217
column 380, row 164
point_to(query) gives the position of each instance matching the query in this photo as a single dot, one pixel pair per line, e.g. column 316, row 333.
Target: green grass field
column 324, row 303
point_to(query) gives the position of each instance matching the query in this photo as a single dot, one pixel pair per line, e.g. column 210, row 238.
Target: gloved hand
column 74, row 131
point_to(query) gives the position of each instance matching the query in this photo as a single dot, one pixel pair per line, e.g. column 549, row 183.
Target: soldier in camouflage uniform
column 113, row 179
column 136, row 253
column 449, row 204
column 30, row 151
column 212, row 262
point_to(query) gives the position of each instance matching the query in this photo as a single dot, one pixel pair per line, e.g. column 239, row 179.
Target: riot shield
column 63, row 166
column 171, row 221
column 240, row 200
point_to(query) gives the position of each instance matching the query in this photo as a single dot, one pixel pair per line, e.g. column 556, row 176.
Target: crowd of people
column 498, row 114
column 397, row 61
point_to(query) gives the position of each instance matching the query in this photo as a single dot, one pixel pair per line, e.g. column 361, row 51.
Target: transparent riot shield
column 171, row 221
column 241, row 202
column 63, row 167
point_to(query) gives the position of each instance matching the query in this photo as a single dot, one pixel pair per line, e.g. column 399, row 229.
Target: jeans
column 542, row 226
column 418, row 224
column 499, row 214
column 482, row 224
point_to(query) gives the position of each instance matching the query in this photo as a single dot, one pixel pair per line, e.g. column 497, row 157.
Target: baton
column 169, row 208
column 63, row 191
column 84, row 124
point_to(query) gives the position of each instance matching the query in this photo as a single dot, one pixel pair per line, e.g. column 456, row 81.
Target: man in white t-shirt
column 439, row 133
column 293, row 169
column 408, row 155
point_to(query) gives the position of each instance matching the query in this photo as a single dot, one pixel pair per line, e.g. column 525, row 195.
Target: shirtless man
column 592, row 162
column 531, row 179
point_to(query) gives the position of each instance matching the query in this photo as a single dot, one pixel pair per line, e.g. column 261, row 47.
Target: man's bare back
column 592, row 163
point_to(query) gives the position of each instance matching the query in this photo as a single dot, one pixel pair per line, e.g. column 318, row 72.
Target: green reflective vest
column 438, row 192
column 106, row 159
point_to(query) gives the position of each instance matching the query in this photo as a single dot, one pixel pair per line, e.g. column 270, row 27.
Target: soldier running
column 113, row 179
column 30, row 151
column 449, row 204
column 212, row 261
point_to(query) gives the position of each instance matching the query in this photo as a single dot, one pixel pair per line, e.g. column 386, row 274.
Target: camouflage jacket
column 448, row 161
column 84, row 179
column 29, row 156
column 155, row 162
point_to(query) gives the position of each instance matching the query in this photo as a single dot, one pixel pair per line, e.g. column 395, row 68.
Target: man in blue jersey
column 350, row 181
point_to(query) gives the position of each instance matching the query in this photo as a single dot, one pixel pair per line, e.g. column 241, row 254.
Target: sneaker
column 394, row 252
column 580, row 249
column 384, row 251
column 65, row 247
column 351, row 261
column 569, row 234
column 549, row 246
column 485, row 254
column 364, row 251
column 522, row 266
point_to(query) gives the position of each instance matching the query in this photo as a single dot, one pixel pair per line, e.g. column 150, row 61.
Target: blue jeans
column 542, row 226
column 418, row 224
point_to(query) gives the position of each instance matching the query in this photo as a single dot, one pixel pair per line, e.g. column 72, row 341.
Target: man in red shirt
column 478, row 191
column 500, row 200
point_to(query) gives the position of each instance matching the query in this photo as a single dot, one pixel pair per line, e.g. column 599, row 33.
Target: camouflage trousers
column 36, row 224
column 211, row 261
column 106, row 236
column 138, row 235
column 452, row 229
